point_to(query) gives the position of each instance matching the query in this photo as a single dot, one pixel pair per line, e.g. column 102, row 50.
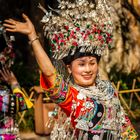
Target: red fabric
column 66, row 105
column 45, row 84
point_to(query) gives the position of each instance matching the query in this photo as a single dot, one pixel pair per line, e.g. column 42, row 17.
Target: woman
column 78, row 37
column 11, row 101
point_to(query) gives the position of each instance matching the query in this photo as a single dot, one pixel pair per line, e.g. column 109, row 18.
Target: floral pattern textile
column 10, row 104
column 94, row 115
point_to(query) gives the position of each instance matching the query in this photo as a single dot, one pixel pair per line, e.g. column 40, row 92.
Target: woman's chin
column 86, row 84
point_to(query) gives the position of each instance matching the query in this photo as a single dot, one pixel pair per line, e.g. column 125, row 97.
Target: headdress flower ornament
column 6, row 55
column 81, row 24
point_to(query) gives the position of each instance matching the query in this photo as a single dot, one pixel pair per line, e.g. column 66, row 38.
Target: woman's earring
column 97, row 78
column 68, row 78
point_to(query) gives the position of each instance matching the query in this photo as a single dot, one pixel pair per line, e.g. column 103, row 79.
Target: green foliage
column 29, row 118
column 26, row 75
column 126, row 81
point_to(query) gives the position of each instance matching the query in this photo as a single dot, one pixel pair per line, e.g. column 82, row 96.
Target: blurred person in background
column 12, row 98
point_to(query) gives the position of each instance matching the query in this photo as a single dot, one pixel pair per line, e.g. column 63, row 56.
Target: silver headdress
column 80, row 24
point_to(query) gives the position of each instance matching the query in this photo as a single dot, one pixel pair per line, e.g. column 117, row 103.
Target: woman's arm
column 127, row 129
column 42, row 58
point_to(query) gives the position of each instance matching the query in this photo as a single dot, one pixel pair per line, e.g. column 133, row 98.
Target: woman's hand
column 42, row 58
column 8, row 76
column 26, row 27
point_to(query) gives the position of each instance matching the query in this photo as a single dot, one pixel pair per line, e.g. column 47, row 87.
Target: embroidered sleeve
column 4, row 103
column 128, row 131
column 58, row 92
column 13, row 103
column 23, row 98
column 16, row 104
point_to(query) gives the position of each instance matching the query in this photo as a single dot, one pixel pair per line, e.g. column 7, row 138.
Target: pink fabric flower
column 66, row 27
column 74, row 43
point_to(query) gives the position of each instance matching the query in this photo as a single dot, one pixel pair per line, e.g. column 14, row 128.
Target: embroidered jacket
column 10, row 104
column 95, row 113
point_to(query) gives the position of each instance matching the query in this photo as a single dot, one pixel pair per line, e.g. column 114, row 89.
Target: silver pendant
column 85, row 137
column 90, row 124
column 95, row 137
column 82, row 124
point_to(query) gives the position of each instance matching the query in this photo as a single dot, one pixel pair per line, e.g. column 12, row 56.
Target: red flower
column 100, row 37
column 108, row 34
column 85, row 36
column 108, row 40
column 78, row 29
column 59, row 47
column 72, row 35
column 99, row 31
column 62, row 41
column 102, row 41
column 66, row 27
column 88, row 32
column 103, row 25
column 61, row 35
column 94, row 30
column 74, row 43
column 55, row 38
column 53, row 47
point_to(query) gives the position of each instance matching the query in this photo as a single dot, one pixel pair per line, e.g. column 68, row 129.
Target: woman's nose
column 88, row 68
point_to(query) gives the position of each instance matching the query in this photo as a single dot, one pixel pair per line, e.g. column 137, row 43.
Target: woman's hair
column 68, row 59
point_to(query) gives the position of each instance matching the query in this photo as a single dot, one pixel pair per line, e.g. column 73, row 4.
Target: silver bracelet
column 31, row 41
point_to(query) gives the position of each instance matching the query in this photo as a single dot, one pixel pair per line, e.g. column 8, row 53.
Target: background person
column 12, row 101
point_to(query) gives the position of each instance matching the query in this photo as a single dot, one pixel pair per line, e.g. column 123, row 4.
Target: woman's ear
column 69, row 69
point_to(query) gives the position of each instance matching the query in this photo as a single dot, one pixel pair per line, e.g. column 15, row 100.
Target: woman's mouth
column 87, row 77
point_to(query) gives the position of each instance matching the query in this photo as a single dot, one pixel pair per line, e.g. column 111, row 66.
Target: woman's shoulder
column 105, row 85
column 107, row 88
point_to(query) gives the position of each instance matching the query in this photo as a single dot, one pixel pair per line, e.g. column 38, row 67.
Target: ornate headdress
column 82, row 24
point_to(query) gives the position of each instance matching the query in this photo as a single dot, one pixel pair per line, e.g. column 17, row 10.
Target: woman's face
column 84, row 70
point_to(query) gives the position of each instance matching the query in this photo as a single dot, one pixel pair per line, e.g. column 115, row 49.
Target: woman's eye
column 92, row 63
column 81, row 64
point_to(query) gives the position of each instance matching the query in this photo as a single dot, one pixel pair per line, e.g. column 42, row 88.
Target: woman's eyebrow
column 81, row 60
column 93, row 60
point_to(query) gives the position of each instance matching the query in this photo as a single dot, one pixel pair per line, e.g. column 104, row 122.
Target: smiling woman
column 84, row 70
